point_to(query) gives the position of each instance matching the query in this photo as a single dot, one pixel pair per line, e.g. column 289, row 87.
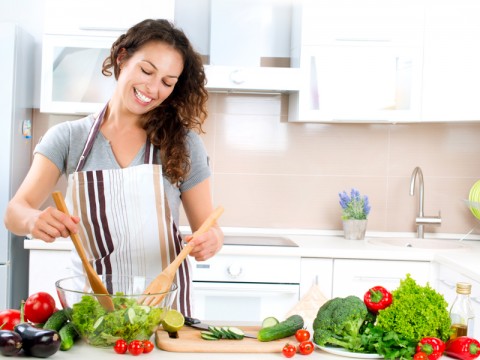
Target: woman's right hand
column 51, row 223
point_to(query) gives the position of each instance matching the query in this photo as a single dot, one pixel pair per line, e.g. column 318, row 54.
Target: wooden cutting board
column 189, row 340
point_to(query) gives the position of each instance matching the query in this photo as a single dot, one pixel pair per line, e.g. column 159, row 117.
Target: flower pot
column 354, row 229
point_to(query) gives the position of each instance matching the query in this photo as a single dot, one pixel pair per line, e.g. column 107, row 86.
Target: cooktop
column 258, row 241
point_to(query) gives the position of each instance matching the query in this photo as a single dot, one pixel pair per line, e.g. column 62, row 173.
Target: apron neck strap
column 151, row 152
column 91, row 139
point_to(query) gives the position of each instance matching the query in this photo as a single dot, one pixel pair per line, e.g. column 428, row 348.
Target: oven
column 249, row 288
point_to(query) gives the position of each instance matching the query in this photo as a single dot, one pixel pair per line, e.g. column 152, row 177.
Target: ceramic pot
column 354, row 229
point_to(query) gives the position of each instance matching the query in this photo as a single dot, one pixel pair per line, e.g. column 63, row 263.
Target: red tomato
column 302, row 335
column 120, row 346
column 305, row 347
column 135, row 347
column 9, row 318
column 289, row 350
column 147, row 346
column 39, row 307
column 420, row 356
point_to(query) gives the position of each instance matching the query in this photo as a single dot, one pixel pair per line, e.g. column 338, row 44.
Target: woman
column 125, row 214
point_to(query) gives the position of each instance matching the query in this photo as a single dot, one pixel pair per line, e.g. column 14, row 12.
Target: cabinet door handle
column 447, row 283
column 376, row 278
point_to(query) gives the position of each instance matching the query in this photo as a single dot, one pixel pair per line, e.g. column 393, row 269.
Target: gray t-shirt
column 63, row 145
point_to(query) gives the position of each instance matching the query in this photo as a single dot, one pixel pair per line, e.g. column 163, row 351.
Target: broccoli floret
column 339, row 322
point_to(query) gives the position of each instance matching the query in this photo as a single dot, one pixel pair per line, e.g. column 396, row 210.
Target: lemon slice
column 173, row 321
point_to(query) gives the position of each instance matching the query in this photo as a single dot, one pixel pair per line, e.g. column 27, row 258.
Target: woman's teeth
column 142, row 97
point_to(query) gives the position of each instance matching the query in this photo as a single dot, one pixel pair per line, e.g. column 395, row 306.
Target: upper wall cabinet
column 245, row 43
column 451, row 75
column 360, row 61
column 77, row 38
column 101, row 17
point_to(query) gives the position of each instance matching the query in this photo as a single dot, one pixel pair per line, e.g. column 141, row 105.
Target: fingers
column 206, row 245
column 52, row 223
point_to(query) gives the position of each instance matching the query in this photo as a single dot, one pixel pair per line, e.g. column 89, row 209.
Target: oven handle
column 245, row 287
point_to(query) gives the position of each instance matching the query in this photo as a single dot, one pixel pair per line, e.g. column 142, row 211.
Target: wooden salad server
column 95, row 282
column 163, row 282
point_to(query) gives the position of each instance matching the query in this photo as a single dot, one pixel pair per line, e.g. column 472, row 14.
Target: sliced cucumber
column 236, row 333
column 130, row 315
column 269, row 321
column 208, row 335
column 224, row 332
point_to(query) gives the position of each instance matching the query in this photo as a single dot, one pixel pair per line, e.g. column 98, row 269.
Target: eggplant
column 38, row 342
column 10, row 343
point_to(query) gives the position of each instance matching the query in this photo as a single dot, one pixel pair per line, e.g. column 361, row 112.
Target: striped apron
column 126, row 226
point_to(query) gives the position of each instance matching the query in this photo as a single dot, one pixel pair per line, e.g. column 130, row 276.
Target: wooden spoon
column 95, row 282
column 163, row 282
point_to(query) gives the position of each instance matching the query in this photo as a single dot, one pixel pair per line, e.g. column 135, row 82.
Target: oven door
column 250, row 302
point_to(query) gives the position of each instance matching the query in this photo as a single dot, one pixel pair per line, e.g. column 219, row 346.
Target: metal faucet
column 421, row 219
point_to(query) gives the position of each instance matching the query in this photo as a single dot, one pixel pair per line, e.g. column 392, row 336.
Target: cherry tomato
column 306, row 347
column 135, row 347
column 147, row 346
column 302, row 335
column 289, row 350
column 120, row 346
column 39, row 307
column 9, row 318
column 420, row 356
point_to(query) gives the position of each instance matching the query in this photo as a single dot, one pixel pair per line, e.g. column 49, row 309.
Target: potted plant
column 355, row 210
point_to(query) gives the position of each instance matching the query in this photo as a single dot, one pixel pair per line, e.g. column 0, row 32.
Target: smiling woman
column 131, row 166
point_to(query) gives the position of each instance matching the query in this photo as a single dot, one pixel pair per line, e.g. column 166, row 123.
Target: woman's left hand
column 207, row 244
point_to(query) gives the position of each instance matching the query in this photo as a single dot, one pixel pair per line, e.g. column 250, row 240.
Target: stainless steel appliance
column 16, row 103
column 246, row 287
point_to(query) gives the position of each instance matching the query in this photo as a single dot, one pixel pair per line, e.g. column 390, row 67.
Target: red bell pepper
column 463, row 347
column 431, row 346
column 377, row 298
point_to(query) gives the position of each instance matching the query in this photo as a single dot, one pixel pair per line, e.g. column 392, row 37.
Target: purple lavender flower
column 354, row 206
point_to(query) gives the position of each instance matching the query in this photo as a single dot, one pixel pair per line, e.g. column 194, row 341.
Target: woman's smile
column 140, row 96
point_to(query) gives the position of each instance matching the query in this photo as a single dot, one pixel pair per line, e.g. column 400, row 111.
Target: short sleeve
column 54, row 145
column 199, row 162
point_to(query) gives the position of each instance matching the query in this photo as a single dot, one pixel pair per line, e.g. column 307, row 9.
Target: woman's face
column 148, row 77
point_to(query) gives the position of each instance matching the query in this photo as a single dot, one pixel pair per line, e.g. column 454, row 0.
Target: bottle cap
column 464, row 288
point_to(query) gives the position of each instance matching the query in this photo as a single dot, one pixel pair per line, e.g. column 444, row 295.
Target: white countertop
column 83, row 351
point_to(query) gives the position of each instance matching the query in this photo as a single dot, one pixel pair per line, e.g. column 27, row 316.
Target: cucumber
column 236, row 333
column 208, row 335
column 224, row 332
column 56, row 320
column 68, row 335
column 282, row 330
column 269, row 321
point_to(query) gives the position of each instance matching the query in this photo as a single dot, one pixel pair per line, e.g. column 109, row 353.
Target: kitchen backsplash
column 269, row 173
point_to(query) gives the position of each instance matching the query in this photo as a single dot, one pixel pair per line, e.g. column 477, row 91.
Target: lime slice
column 173, row 321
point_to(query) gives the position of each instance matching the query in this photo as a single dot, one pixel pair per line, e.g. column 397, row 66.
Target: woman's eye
column 166, row 84
column 146, row 72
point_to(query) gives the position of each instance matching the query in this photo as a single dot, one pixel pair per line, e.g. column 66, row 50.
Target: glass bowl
column 130, row 319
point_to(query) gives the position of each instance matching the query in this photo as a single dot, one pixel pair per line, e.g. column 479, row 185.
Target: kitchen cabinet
column 355, row 277
column 360, row 61
column 245, row 44
column 45, row 268
column 446, row 280
column 315, row 271
column 101, row 18
column 77, row 39
column 451, row 74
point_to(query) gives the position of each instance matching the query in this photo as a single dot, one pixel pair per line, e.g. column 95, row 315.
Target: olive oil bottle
column 461, row 312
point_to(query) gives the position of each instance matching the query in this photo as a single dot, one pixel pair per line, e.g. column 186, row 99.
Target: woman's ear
column 121, row 57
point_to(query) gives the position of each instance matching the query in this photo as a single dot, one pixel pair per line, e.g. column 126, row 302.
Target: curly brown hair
column 185, row 108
